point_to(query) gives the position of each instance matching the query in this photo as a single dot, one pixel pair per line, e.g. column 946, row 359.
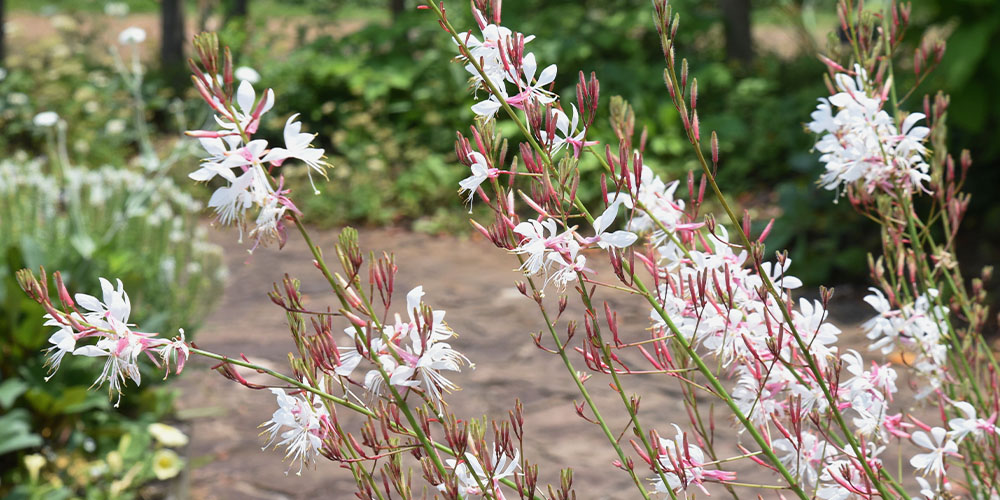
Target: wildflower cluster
column 412, row 353
column 861, row 142
column 725, row 323
column 917, row 330
column 306, row 420
column 105, row 323
column 246, row 164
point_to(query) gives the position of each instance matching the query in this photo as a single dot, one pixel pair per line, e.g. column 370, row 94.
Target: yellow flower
column 114, row 461
column 168, row 435
column 166, row 464
column 34, row 463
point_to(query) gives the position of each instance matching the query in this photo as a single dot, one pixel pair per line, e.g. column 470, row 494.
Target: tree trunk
column 736, row 16
column 397, row 7
column 172, row 42
column 236, row 9
column 3, row 35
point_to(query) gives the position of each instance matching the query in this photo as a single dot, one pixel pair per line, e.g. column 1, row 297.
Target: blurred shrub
column 969, row 73
column 110, row 222
column 131, row 223
column 74, row 74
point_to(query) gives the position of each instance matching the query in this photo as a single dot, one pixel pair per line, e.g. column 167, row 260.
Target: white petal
column 245, row 96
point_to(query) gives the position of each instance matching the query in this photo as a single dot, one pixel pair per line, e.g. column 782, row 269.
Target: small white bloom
column 480, row 172
column 305, row 421
column 617, row 239
column 132, row 34
column 470, row 473
column 114, row 126
column 939, row 445
column 246, row 73
column 297, row 145
column 45, row 119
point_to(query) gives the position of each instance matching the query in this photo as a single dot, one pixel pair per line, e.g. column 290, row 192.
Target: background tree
column 397, row 7
column 172, row 43
column 736, row 18
column 2, row 33
column 235, row 9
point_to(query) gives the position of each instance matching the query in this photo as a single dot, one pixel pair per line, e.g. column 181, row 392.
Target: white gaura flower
column 617, row 239
column 968, row 424
column 297, row 145
column 301, row 423
column 939, row 445
column 218, row 149
column 469, row 473
column 568, row 263
column 567, row 133
column 438, row 329
column 804, row 458
column 249, row 109
column 132, row 35
column 232, row 201
column 176, row 351
column 777, row 275
column 122, row 351
column 116, row 306
column 480, row 172
column 530, row 88
column 63, row 342
column 488, row 108
column 538, row 239
column 684, row 466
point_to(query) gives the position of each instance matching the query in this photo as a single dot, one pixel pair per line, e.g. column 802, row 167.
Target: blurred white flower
column 246, row 73
column 115, row 126
column 34, row 463
column 119, row 9
column 132, row 34
column 17, row 98
column 45, row 118
column 3, row 74
column 63, row 22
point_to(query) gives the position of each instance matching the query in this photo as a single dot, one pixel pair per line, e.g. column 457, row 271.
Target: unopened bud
column 694, row 93
column 354, row 318
column 715, row 148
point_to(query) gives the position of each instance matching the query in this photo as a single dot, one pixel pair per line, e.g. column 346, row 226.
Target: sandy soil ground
column 473, row 282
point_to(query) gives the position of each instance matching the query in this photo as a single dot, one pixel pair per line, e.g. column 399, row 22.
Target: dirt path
column 472, row 281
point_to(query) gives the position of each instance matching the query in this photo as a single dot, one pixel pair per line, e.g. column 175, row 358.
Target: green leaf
column 15, row 433
column 10, row 390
